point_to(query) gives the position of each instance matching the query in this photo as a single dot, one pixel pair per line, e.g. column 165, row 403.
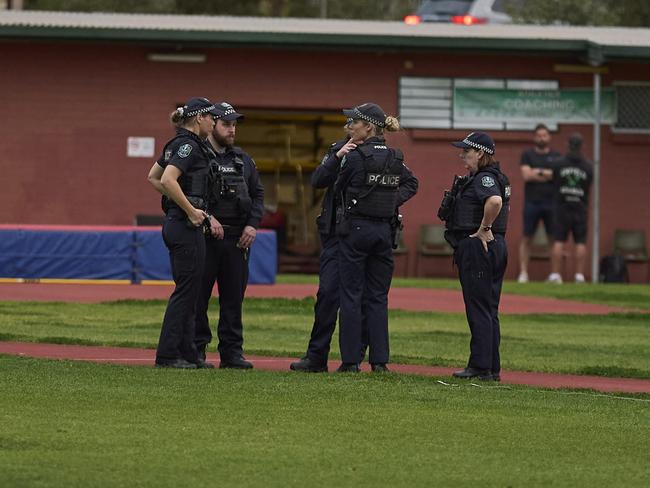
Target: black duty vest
column 377, row 197
column 230, row 201
column 195, row 183
column 468, row 211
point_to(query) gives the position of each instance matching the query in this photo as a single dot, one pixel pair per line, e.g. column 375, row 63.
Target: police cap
column 227, row 112
column 370, row 112
column 196, row 106
column 476, row 140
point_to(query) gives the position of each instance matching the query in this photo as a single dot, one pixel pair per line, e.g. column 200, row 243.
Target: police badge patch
column 487, row 181
column 184, row 151
column 168, row 155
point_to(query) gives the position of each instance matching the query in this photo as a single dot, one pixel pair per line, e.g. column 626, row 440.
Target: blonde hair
column 391, row 125
column 179, row 119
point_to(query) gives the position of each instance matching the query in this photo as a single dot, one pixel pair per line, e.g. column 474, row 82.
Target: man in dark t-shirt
column 537, row 172
column 572, row 176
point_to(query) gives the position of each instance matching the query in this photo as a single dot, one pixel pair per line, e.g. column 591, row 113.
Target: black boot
column 308, row 366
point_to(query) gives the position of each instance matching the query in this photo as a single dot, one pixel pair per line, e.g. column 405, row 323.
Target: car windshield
column 444, row 7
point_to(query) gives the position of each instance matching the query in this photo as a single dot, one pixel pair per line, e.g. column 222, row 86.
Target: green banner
column 550, row 106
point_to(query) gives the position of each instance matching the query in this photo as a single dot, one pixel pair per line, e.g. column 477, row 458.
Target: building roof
column 598, row 44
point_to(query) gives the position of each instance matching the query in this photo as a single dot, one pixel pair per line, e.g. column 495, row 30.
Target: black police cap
column 196, row 106
column 476, row 140
column 370, row 112
column 227, row 112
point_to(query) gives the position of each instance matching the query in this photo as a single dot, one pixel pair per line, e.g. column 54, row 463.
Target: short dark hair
column 541, row 126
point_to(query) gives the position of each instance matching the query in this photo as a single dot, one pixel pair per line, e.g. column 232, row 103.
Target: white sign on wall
column 140, row 147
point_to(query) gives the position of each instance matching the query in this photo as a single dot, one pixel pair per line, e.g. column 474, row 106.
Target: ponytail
column 392, row 124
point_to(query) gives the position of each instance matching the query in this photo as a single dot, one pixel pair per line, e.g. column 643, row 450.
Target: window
column 427, row 103
column 632, row 107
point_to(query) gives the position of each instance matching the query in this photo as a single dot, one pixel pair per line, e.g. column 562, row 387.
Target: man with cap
column 572, row 176
column 476, row 222
column 372, row 183
column 181, row 175
column 236, row 205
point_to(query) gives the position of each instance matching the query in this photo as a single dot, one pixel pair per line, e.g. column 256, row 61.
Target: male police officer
column 237, row 203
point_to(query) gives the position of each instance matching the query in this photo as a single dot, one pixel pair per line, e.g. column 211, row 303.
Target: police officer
column 236, row 204
column 327, row 298
column 372, row 183
column 181, row 175
column 572, row 178
column 476, row 228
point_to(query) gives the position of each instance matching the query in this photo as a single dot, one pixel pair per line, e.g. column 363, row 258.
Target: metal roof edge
column 289, row 38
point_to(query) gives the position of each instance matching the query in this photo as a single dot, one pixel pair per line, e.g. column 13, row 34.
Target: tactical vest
column 193, row 184
column 230, row 201
column 468, row 212
column 377, row 197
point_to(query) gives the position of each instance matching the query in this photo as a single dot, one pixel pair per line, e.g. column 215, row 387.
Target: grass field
column 66, row 424
column 609, row 345
column 618, row 295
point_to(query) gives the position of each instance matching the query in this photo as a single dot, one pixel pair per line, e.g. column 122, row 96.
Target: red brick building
column 75, row 87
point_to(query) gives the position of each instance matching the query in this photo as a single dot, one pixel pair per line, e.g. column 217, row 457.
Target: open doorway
column 287, row 146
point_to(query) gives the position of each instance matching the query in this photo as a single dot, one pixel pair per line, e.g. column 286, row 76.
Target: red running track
column 414, row 299
column 145, row 357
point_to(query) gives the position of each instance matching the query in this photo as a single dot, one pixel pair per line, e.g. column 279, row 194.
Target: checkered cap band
column 199, row 111
column 359, row 115
column 476, row 145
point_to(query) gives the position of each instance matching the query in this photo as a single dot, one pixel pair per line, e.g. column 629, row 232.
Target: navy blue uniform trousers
column 327, row 301
column 326, row 308
column 226, row 264
column 365, row 270
column 481, row 277
column 187, row 254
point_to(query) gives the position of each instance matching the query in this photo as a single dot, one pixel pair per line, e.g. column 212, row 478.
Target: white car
column 467, row 12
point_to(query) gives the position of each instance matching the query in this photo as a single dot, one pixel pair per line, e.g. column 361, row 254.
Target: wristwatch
column 486, row 228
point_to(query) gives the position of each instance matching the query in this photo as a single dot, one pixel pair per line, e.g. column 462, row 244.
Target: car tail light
column 412, row 19
column 467, row 20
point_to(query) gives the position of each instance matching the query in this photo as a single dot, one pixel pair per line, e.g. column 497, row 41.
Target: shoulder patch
column 168, row 154
column 487, row 181
column 184, row 151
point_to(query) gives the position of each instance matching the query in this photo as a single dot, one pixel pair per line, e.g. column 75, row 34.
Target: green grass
column 608, row 345
column 81, row 424
column 617, row 295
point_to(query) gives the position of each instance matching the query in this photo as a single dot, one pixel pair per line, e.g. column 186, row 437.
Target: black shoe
column 496, row 376
column 308, row 366
column 201, row 351
column 348, row 368
column 236, row 362
column 480, row 374
column 203, row 364
column 379, row 368
column 176, row 363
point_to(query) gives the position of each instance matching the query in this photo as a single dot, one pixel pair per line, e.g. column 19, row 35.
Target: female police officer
column 181, row 175
column 372, row 183
column 476, row 229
